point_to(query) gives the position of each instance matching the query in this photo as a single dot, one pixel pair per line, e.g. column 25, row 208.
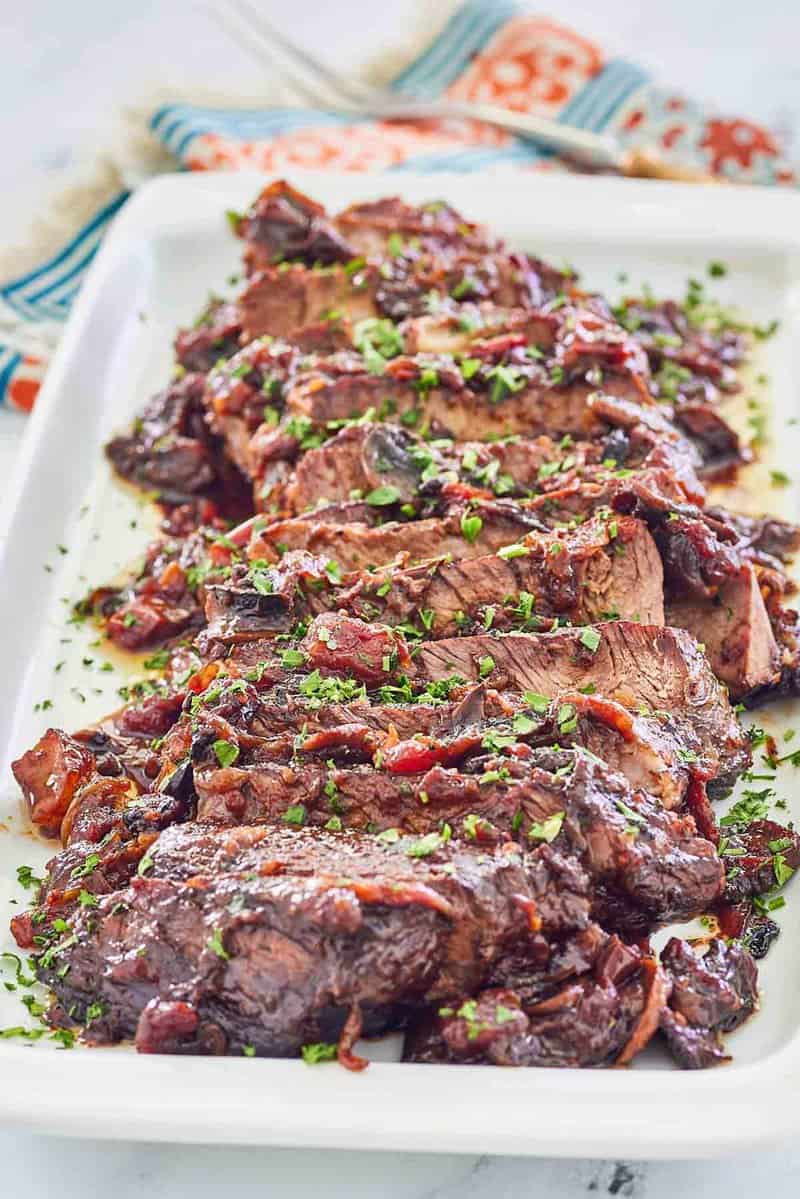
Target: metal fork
column 593, row 151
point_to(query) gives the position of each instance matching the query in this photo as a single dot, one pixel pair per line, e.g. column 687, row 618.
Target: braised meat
column 709, row 995
column 449, row 632
column 662, row 670
column 601, row 569
column 275, row 939
column 170, row 447
column 601, row 1018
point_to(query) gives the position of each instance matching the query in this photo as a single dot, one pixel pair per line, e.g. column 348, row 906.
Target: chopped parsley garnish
column 428, row 379
column 318, row 689
column 471, row 526
column 377, row 340
column 474, row 825
column 158, row 660
column 630, row 813
column 295, row 814
column 90, row 863
column 425, row 845
column 261, row 580
column 590, row 638
column 214, row 943
column 547, row 829
column 21, row 979
column 381, row 497
column 567, row 718
column 292, row 657
column 27, row 879
column 145, row 864
column 505, row 380
column 226, row 752
column 781, row 869
column 495, row 741
column 319, row 1051
column 754, row 805
column 507, row 552
column 462, row 289
column 302, row 429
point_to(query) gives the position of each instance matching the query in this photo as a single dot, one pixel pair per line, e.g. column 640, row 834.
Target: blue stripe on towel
column 446, row 59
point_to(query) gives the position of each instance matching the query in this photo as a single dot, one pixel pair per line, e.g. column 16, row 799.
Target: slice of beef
column 242, row 391
column 654, row 752
column 49, row 774
column 673, row 337
column 710, row 587
column 574, row 334
column 649, row 866
column 456, row 328
column 650, row 863
column 275, row 939
column 710, row 573
column 736, row 631
column 531, row 399
column 284, row 224
column 54, row 775
column 772, row 541
column 662, row 670
column 712, row 446
column 710, row 995
column 606, row 1017
column 362, row 457
column 169, row 448
column 599, row 569
column 284, row 301
column 702, row 554
column 359, row 459
column 509, row 394
column 713, row 587
column 347, row 656
column 213, row 336
column 471, row 531
column 370, row 226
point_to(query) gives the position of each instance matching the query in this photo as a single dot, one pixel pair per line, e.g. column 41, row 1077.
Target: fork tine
column 257, row 46
column 259, row 40
column 352, row 90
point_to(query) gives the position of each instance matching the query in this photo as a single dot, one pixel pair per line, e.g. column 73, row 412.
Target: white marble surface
column 66, row 70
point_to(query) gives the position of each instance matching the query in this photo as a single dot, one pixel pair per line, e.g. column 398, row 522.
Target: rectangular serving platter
column 69, row 525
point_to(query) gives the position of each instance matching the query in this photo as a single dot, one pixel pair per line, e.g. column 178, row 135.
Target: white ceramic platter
column 69, row 524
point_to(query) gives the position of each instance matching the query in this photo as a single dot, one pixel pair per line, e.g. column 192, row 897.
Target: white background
column 68, row 66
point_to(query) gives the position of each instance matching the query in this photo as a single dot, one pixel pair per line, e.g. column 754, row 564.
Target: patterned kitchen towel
column 495, row 52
